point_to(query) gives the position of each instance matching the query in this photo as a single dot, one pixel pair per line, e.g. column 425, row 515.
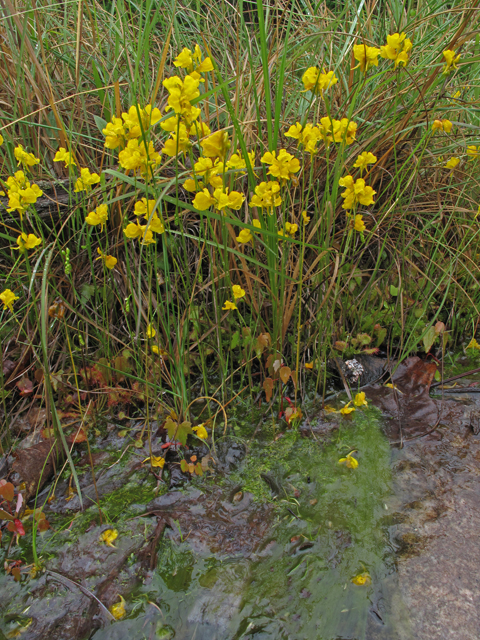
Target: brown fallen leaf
column 407, row 406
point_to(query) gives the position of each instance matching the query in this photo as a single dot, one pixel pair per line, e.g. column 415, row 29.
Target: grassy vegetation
column 120, row 301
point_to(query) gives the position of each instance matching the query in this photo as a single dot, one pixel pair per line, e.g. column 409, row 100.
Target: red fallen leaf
column 268, row 388
column 16, row 527
column 295, row 538
column 7, row 491
column 25, row 386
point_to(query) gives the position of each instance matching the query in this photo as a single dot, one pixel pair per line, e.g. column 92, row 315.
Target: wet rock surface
column 437, row 486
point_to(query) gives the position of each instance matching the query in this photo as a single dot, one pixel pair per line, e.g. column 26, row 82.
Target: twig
column 457, row 377
column 68, row 583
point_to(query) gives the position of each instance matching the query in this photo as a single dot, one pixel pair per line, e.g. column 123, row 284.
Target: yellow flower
column 397, row 48
column 184, row 59
column 114, row 133
column 118, row 609
column 266, row 196
column 63, row 155
column 349, row 461
column 144, row 207
column 366, row 56
column 282, row 166
column 473, row 151
column 216, row 145
column 257, row 223
column 346, row 410
column 228, row 306
column 1, row 139
column 109, row 261
column 238, row 292
column 364, row 159
column 25, row 158
column 86, row 180
column 151, row 333
column 203, row 200
column 156, row 461
column 358, row 224
column 308, row 365
column 237, row 162
column 99, row 216
column 191, row 186
column 27, row 242
column 200, row 431
column 305, row 218
column 8, row 298
column 108, row 537
column 291, row 229
column 295, row 131
column 452, row 163
column 473, row 344
column 451, row 61
column 318, row 82
column 360, row 400
column 244, row 236
column 155, row 224
column 362, row 579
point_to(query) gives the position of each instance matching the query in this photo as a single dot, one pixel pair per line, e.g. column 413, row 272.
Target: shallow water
column 270, row 550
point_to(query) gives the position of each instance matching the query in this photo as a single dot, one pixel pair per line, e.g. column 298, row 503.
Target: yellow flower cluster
column 356, row 192
column 86, row 181
column 193, row 62
column 316, row 81
column 238, row 293
column 327, row 130
column 442, row 125
column 451, row 61
column 21, row 194
column 397, row 48
column 133, row 124
column 65, row 156
column 155, row 224
column 221, row 199
column 98, row 217
column 24, row 158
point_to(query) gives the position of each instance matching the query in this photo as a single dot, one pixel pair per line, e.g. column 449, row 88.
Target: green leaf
column 393, row 290
column 100, row 122
column 429, row 339
column 6, row 516
column 235, row 340
column 178, row 432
